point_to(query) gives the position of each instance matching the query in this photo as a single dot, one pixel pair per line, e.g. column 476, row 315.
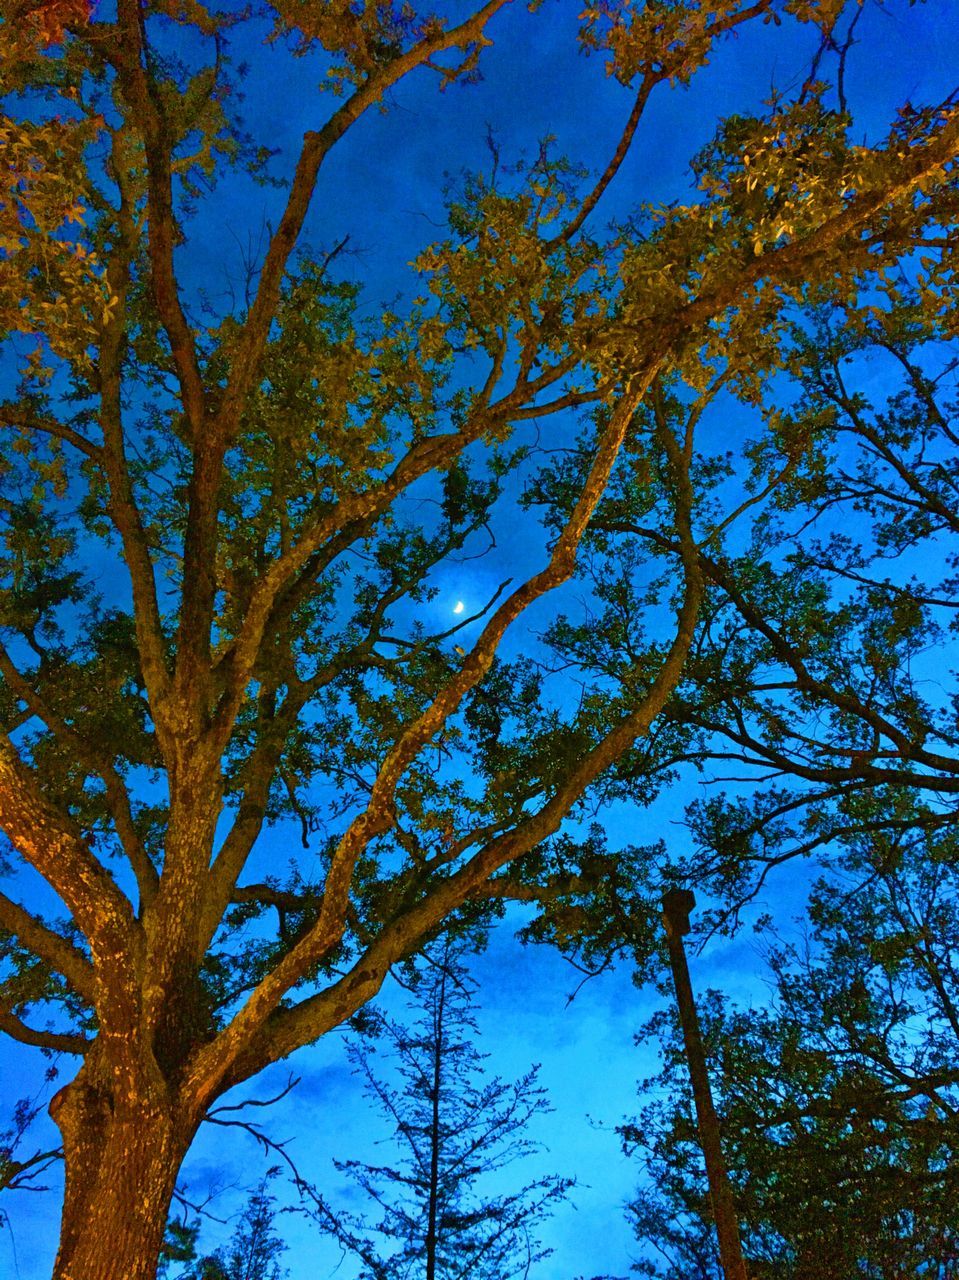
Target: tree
column 223, row 517
column 677, row 905
column 839, row 1100
column 18, row 1173
column 440, row 1214
column 252, row 1254
column 827, row 674
column 822, row 695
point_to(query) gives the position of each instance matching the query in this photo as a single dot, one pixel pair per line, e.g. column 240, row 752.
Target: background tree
column 826, row 675
column 839, row 1100
column 821, row 695
column 19, row 1170
column 253, row 1253
column 441, row 1213
column 214, row 550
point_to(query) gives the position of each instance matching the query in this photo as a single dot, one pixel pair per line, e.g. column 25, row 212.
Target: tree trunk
column 122, row 1160
column 438, row 1018
column 677, row 903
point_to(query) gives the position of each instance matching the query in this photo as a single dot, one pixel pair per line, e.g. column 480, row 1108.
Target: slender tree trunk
column 435, row 1124
column 122, row 1159
column 677, row 904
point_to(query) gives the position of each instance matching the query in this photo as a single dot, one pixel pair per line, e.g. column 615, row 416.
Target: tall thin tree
column 446, row 1207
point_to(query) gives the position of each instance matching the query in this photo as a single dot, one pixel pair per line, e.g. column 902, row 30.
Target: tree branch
column 54, row 847
column 118, row 799
column 56, row 1041
column 123, row 508
column 132, row 62
column 199, row 585
column 233, row 1056
column 17, row 416
column 56, row 952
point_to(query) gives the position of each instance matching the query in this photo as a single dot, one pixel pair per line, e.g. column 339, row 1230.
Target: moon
column 459, row 606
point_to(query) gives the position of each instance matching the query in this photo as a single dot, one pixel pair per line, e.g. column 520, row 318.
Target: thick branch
column 56, row 1041
column 17, row 416
column 135, row 79
column 646, row 87
column 123, row 508
column 56, row 952
column 650, row 80
column 316, row 147
column 87, row 754
column 790, row 261
column 55, row 848
column 199, row 585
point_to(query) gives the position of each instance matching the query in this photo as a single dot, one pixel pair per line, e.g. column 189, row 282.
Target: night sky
column 384, row 188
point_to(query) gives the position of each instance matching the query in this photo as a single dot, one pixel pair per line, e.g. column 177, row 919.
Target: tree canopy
column 226, row 513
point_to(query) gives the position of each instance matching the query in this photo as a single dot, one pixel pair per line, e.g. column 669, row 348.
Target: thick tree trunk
column 122, row 1160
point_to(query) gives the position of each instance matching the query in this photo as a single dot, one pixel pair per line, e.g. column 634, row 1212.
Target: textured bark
column 122, row 1157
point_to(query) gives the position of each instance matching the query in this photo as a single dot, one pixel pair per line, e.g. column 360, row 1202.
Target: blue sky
column 384, row 188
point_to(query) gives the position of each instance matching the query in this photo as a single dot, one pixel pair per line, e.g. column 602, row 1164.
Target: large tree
column 820, row 702
column 224, row 514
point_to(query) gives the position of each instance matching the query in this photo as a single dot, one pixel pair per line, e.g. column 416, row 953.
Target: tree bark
column 122, row 1156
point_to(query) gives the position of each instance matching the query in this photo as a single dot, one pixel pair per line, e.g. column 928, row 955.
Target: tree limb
column 56, row 952
column 50, row 842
